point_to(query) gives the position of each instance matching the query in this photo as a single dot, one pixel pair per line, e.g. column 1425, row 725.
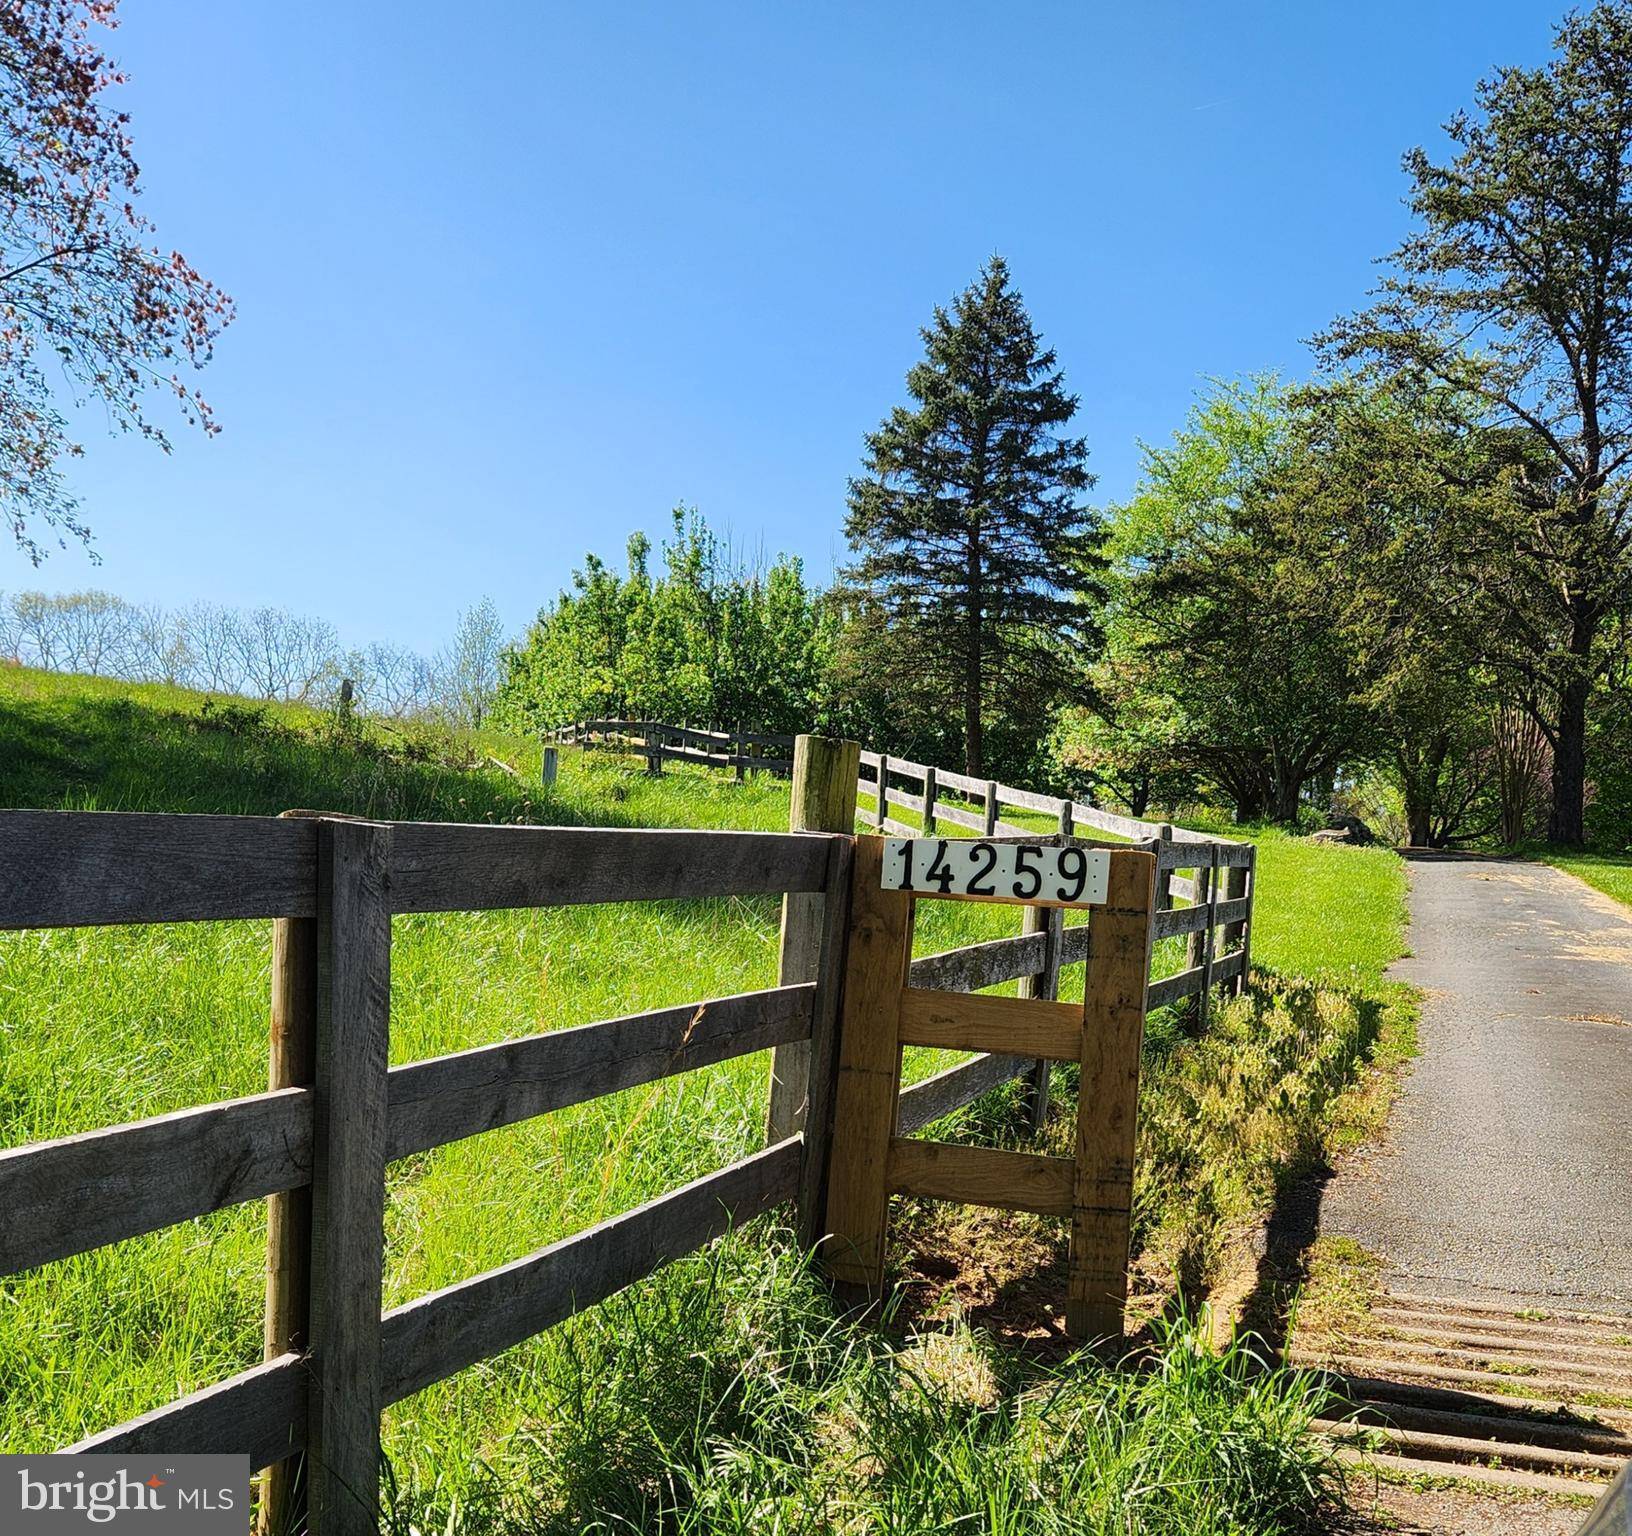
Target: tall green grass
column 101, row 1026
column 724, row 1397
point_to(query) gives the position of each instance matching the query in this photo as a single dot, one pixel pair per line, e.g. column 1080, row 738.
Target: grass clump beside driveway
column 723, row 1396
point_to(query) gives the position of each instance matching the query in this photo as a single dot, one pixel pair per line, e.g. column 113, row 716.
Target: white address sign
column 1014, row 872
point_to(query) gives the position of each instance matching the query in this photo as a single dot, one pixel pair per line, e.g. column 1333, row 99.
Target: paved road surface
column 1508, row 1163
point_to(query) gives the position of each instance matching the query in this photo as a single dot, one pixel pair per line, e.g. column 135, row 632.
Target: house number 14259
column 971, row 870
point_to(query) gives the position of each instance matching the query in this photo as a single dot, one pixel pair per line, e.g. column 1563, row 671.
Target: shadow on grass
column 1292, row 1223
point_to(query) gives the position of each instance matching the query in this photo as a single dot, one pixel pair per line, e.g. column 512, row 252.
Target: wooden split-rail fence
column 1196, row 870
column 316, row 1145
column 744, row 752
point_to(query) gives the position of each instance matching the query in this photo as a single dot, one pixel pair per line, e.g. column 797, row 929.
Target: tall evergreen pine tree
column 971, row 551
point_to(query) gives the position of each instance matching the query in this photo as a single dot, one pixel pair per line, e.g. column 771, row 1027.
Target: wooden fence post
column 991, row 807
column 927, row 810
column 1067, row 819
column 1113, row 1029
column 883, row 802
column 282, row 1504
column 348, row 1176
column 737, row 751
column 1199, row 951
column 1164, row 877
column 825, row 770
column 550, row 767
column 1050, row 922
column 878, row 954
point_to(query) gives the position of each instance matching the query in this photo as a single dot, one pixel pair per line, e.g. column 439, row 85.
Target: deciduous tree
column 1229, row 617
column 85, row 296
column 1516, row 288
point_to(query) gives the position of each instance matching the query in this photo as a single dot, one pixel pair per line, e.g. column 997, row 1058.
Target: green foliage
column 706, row 642
column 970, row 544
column 1226, row 1118
column 1609, row 758
column 1226, row 618
column 1516, row 289
column 1123, row 752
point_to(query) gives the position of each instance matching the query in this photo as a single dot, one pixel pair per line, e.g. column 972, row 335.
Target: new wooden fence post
column 825, row 770
column 1113, row 1029
column 823, row 1047
column 1199, row 951
column 878, row 954
column 289, row 1215
column 1050, row 922
column 927, row 810
column 348, row 1176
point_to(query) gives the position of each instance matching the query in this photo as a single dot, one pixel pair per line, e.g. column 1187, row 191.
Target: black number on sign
column 1028, row 878
column 939, row 871
column 980, row 871
column 1074, row 871
column 906, row 866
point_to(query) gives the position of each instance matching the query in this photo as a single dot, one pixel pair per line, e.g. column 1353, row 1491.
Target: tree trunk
column 1419, row 775
column 1139, row 798
column 1285, row 797
column 1567, row 823
column 1250, row 805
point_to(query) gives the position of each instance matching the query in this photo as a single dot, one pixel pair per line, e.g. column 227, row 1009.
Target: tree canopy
column 707, row 640
column 1516, row 289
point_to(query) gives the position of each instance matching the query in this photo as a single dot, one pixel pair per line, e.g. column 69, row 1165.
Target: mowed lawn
column 106, row 1025
column 1610, row 873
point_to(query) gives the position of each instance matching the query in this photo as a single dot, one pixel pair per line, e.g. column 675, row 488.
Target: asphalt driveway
column 1507, row 1168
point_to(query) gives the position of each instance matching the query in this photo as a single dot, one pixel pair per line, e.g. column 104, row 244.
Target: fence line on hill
column 1221, row 871
column 317, row 1143
column 744, row 751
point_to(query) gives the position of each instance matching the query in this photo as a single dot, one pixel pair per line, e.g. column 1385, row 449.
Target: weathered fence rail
column 1217, row 891
column 318, row 1143
column 744, row 752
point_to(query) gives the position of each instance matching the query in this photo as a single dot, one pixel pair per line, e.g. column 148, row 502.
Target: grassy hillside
column 106, row 1025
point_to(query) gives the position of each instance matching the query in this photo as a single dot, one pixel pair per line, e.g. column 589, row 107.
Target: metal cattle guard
column 880, row 1014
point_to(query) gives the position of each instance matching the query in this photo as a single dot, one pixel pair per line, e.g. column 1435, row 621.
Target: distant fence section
column 743, row 752
column 1205, row 884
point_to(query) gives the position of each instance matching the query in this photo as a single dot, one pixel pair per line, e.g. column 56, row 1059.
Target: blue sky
column 515, row 278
